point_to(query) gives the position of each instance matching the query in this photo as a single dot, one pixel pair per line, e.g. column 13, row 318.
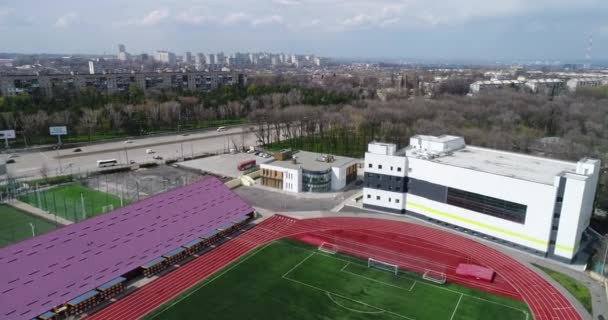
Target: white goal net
column 107, row 208
column 434, row 276
column 373, row 263
column 328, row 248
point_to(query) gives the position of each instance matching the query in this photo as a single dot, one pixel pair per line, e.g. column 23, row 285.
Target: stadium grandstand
column 75, row 268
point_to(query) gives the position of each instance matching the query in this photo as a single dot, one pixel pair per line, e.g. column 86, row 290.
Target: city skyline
column 471, row 29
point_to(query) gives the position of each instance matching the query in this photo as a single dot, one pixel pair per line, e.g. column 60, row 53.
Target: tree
column 89, row 120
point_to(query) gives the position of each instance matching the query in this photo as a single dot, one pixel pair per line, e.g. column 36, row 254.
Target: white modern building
column 537, row 204
column 309, row 172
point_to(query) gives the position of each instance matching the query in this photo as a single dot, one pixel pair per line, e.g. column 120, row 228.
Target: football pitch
column 291, row 280
column 72, row 201
column 16, row 225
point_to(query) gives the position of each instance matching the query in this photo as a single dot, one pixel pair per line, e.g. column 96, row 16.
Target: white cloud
column 66, row 20
column 267, row 20
column 153, row 17
column 287, row 2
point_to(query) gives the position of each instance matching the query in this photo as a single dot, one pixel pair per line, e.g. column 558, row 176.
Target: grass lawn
column 15, row 225
column 291, row 280
column 65, row 201
column 575, row 287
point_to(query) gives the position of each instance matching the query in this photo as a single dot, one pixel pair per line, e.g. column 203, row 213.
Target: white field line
column 424, row 283
column 341, row 296
column 456, row 308
column 375, row 280
column 330, row 296
column 212, row 279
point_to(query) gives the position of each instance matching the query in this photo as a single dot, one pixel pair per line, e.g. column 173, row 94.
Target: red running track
column 545, row 302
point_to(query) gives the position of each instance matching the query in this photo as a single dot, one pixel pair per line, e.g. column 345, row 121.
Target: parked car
column 77, row 150
column 129, row 141
column 14, row 155
column 149, row 151
column 10, row 161
column 221, row 129
column 257, row 153
column 157, row 157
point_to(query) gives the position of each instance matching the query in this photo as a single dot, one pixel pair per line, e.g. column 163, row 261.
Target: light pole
column 33, row 230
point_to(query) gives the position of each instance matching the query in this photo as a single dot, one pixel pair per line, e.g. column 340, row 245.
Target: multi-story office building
column 45, row 85
column 165, row 57
column 537, row 204
column 308, row 172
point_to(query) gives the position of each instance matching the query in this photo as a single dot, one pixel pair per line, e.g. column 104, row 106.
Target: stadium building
column 71, row 270
column 537, row 204
column 308, row 172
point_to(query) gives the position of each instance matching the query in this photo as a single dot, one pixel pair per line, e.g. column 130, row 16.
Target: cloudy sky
column 415, row 29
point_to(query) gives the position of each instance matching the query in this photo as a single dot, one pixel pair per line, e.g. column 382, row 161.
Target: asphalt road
column 57, row 162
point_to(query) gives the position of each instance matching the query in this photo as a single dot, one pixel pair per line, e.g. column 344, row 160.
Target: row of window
column 487, row 205
column 369, row 196
column 380, row 167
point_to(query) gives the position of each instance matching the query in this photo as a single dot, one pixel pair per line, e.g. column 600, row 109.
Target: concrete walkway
column 38, row 212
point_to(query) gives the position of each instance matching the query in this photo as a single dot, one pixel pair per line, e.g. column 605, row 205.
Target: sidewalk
column 39, row 212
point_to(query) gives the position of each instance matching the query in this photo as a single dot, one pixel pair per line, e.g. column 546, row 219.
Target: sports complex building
column 305, row 171
column 72, row 269
column 537, row 204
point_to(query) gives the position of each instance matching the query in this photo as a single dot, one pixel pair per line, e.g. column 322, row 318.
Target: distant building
column 199, row 61
column 45, row 85
column 549, row 87
column 537, row 204
column 188, row 57
column 487, row 85
column 574, row 84
column 122, row 53
column 308, row 172
column 165, row 57
column 91, row 67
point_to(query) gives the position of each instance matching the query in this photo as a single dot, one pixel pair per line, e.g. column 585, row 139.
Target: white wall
column 397, row 200
column 292, row 180
column 539, row 199
column 577, row 207
column 387, row 162
column 338, row 178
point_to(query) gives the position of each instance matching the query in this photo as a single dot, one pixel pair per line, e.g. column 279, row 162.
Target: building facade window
column 379, row 166
column 370, row 165
column 316, row 181
column 495, row 207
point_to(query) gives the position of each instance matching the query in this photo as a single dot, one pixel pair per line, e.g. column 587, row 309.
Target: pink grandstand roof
column 48, row 270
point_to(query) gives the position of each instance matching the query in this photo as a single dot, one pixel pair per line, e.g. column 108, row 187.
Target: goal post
column 434, row 276
column 329, row 248
column 373, row 263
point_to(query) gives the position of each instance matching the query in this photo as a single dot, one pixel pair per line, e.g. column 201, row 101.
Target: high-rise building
column 199, row 61
column 188, row 57
column 122, row 53
column 91, row 67
column 165, row 57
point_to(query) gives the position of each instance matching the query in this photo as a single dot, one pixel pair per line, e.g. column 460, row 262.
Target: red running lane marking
column 545, row 302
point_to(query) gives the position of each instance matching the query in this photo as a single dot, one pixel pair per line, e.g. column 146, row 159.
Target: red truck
column 246, row 165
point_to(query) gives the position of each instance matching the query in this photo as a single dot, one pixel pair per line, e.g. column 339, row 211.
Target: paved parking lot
column 222, row 165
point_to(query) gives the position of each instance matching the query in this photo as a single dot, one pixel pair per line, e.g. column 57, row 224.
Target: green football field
column 291, row 280
column 66, row 201
column 15, row 225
